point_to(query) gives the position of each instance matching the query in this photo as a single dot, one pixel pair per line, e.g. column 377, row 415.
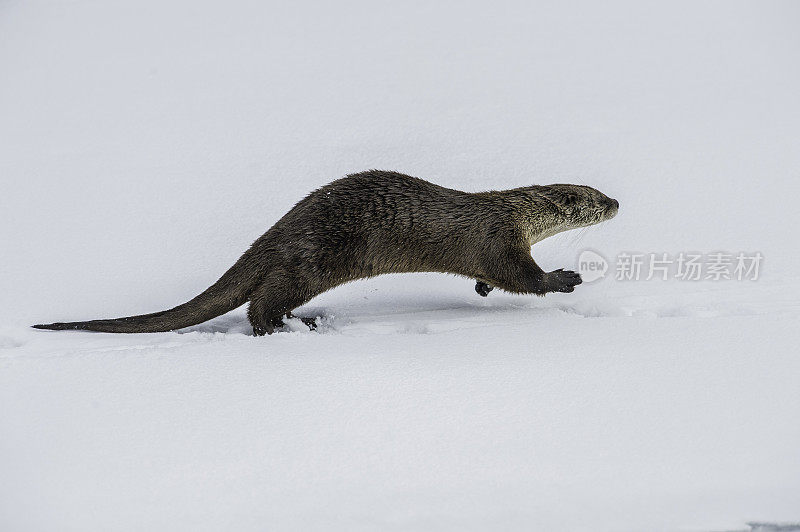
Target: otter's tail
column 232, row 290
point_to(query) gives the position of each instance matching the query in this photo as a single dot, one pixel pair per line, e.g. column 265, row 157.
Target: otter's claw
column 483, row 289
column 563, row 280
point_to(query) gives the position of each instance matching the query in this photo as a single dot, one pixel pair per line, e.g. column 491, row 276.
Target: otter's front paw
column 483, row 289
column 563, row 280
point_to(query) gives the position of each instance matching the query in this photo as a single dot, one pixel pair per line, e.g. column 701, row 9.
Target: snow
column 145, row 145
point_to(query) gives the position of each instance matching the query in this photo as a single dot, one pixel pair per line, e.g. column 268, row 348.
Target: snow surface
column 144, row 145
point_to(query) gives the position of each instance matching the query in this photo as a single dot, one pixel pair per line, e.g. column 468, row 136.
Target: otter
column 377, row 222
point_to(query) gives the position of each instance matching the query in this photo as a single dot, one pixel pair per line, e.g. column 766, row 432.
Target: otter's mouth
column 611, row 209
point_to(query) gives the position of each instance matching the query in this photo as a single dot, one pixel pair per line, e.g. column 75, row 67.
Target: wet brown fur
column 378, row 222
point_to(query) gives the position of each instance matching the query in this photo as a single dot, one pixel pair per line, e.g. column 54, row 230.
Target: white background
column 144, row 145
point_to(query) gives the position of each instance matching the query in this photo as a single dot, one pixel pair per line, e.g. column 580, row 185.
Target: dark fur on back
column 379, row 222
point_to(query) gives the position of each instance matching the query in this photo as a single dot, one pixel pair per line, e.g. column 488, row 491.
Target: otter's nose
column 615, row 204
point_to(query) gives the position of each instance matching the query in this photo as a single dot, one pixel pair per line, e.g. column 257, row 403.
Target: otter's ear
column 570, row 199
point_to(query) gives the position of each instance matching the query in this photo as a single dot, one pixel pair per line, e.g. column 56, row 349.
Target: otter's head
column 579, row 205
column 558, row 208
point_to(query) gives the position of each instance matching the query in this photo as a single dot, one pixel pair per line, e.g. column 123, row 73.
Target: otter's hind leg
column 273, row 300
column 311, row 323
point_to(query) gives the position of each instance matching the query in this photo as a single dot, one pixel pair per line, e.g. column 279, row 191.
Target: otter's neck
column 541, row 219
column 535, row 236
